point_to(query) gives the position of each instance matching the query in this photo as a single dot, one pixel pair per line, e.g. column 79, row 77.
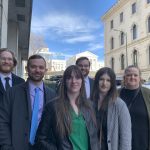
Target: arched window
column 134, row 33
column 148, row 21
column 112, row 63
column 122, row 62
column 149, row 54
column 122, row 38
column 112, row 43
column 135, row 59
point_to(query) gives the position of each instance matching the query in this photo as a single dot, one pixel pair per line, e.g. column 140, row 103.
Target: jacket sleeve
column 5, row 121
column 125, row 135
column 45, row 136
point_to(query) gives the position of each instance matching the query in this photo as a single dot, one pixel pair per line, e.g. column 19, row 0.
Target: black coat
column 15, row 81
column 48, row 138
column 15, row 117
column 91, row 85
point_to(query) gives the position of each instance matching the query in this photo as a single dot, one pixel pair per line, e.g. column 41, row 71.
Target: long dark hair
column 112, row 93
column 63, row 116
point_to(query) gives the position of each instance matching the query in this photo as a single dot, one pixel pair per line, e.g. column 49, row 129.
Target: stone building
column 127, row 36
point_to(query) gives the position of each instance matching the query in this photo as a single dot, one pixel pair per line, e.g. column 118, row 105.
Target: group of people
column 85, row 114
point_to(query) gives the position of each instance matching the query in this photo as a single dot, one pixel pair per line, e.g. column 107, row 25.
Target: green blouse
column 79, row 134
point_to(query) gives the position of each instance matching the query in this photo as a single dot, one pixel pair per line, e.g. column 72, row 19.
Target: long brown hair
column 63, row 116
column 112, row 93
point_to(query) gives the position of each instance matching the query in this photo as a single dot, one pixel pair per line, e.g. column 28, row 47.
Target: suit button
column 108, row 141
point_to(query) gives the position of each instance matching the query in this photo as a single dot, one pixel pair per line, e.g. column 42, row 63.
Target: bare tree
column 36, row 42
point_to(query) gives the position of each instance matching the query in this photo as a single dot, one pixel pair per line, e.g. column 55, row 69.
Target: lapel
column 14, row 80
column 2, row 90
column 110, row 118
column 27, row 98
column 46, row 94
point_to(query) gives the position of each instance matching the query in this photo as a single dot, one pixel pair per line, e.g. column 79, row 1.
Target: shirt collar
column 2, row 76
column 32, row 86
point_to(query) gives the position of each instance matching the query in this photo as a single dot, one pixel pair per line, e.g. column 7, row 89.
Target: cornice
column 114, row 8
column 131, row 44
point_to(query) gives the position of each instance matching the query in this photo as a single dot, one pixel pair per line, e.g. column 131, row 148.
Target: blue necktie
column 34, row 122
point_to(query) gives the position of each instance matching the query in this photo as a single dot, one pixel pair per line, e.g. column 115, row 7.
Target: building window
column 134, row 33
column 135, row 58
column 148, row 1
column 112, row 43
column 121, row 17
column 149, row 55
column 112, row 63
column 111, row 24
column 149, row 24
column 133, row 8
column 122, row 38
column 122, row 62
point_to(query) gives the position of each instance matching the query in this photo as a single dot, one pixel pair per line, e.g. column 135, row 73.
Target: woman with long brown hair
column 113, row 119
column 68, row 123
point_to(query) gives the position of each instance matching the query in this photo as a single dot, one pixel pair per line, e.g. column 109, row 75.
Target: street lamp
column 125, row 34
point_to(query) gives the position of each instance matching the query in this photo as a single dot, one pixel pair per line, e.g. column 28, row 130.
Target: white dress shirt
column 87, row 86
column 2, row 77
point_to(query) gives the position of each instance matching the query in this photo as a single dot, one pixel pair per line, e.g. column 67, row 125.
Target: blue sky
column 71, row 26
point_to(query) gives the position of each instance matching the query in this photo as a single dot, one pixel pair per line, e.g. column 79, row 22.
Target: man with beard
column 7, row 63
column 22, row 107
column 84, row 65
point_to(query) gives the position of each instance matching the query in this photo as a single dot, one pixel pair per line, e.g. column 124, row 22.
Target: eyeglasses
column 6, row 59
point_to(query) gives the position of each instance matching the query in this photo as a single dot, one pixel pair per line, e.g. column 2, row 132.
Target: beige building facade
column 127, row 36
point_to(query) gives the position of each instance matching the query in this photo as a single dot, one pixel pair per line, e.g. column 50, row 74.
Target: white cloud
column 64, row 23
column 67, row 26
column 84, row 38
column 95, row 46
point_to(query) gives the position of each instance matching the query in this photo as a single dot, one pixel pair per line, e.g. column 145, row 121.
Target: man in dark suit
column 84, row 64
column 7, row 63
column 22, row 107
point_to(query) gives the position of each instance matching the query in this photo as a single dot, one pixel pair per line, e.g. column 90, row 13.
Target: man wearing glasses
column 7, row 63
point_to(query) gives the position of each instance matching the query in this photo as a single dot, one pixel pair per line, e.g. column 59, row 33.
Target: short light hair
column 131, row 66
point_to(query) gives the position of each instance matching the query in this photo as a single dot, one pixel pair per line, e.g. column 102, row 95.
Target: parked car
column 119, row 81
column 146, row 84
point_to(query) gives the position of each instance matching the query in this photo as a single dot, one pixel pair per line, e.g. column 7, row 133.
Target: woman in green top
column 68, row 123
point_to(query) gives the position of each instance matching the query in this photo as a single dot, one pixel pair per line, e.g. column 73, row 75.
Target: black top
column 139, row 118
column 101, row 116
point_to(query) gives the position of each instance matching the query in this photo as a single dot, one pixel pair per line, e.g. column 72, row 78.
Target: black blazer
column 15, row 117
column 91, row 85
column 15, row 81
column 48, row 138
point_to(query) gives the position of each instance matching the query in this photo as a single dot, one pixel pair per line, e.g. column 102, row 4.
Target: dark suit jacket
column 15, row 117
column 15, row 81
column 91, row 84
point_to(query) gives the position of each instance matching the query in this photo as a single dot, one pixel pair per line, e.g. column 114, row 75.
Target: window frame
column 134, row 32
column 135, row 58
column 111, row 24
column 134, row 8
column 121, row 17
column 122, row 62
